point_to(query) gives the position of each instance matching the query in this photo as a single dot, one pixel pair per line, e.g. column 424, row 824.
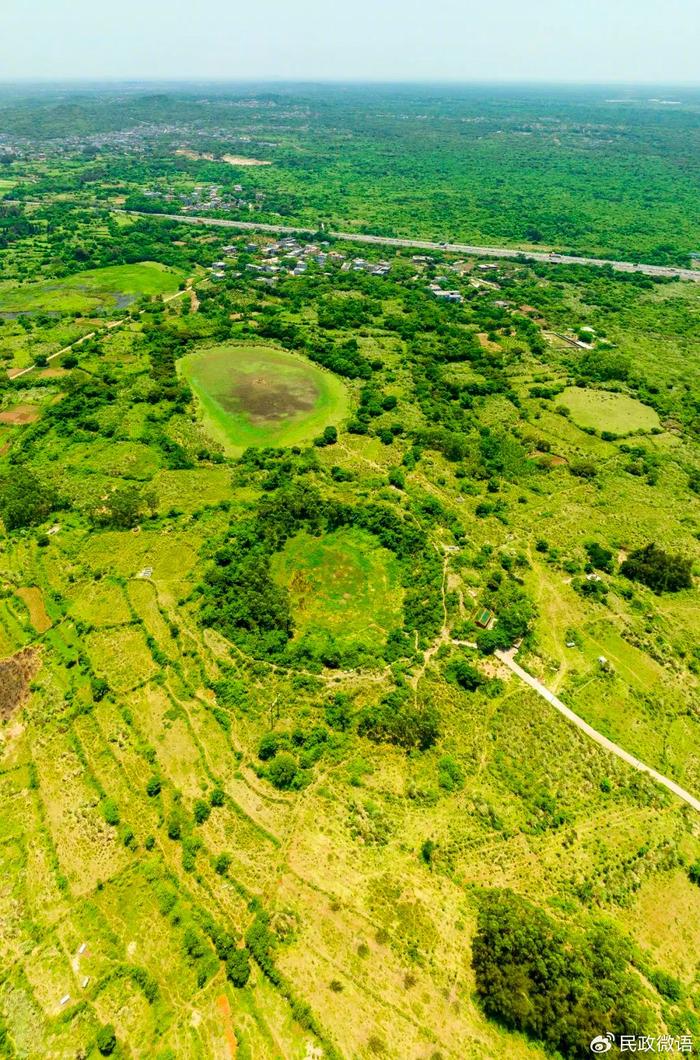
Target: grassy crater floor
column 343, row 584
column 113, row 287
column 252, row 395
column 606, row 411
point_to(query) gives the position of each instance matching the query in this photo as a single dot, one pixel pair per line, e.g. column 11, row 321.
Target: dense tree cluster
column 664, row 572
column 534, row 974
column 24, row 499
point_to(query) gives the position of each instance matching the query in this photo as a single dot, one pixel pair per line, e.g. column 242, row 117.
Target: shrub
column 599, row 557
column 667, row 985
column 222, row 863
column 238, row 968
column 217, row 797
column 450, row 775
column 583, row 469
column 153, row 787
column 106, row 1039
column 201, row 811
column 174, row 826
column 283, row 770
column 464, row 674
column 110, row 812
column 268, row 746
column 398, row 721
column 427, row 850
column 338, row 713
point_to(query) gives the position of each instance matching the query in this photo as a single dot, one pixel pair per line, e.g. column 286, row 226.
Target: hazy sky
column 463, row 40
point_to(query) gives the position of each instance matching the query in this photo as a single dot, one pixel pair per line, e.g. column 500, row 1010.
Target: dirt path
column 603, row 741
column 222, row 1003
column 98, row 331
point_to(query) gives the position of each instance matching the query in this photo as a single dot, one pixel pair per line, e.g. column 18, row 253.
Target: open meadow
column 261, row 395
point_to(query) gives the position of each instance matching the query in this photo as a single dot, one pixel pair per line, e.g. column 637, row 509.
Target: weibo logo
column 603, row 1043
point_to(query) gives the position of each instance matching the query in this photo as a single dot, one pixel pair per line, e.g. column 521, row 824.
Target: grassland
column 95, row 290
column 605, row 411
column 262, row 395
column 341, row 584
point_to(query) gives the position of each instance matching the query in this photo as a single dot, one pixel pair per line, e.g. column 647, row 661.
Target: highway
column 422, row 244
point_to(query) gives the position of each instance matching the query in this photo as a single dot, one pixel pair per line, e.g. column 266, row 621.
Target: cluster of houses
column 436, row 288
column 212, row 198
column 289, row 257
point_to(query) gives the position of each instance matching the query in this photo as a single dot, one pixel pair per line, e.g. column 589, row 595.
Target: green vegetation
column 605, row 411
column 91, row 291
column 341, row 584
column 267, row 786
column 258, row 395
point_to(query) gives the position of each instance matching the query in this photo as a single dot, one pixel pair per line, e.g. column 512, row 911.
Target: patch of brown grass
column 38, row 617
column 15, row 675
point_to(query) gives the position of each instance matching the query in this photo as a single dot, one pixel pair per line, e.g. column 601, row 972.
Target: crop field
column 95, row 290
column 260, row 395
column 617, row 413
column 341, row 583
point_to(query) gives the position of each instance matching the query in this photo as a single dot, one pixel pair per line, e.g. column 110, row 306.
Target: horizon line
column 350, row 80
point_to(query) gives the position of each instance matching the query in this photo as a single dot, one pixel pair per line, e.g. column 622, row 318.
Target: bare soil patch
column 15, row 676
column 52, row 373
column 239, row 160
column 263, row 398
column 549, row 459
column 232, row 160
column 486, row 343
column 20, row 414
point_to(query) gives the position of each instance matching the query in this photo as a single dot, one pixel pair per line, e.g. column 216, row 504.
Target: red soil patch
column 15, row 675
column 225, row 1011
column 20, row 414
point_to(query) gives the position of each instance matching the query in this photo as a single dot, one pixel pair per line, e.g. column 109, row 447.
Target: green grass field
column 261, row 395
column 341, row 583
column 90, row 291
column 605, row 411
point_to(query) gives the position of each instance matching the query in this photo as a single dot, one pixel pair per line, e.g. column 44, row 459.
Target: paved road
column 421, row 244
column 507, row 658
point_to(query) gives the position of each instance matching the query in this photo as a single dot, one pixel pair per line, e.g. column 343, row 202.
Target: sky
column 586, row 41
